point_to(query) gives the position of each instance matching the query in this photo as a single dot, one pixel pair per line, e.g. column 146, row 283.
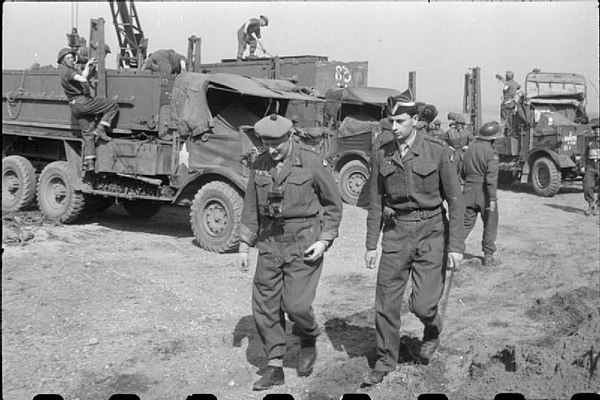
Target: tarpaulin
column 352, row 126
column 365, row 95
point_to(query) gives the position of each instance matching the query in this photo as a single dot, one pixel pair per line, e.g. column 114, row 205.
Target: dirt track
column 119, row 305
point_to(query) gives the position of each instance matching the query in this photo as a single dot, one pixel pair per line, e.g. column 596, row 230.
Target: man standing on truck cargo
column 249, row 35
column 84, row 107
column 292, row 211
column 480, row 174
column 592, row 166
column 411, row 174
column 509, row 100
column 165, row 62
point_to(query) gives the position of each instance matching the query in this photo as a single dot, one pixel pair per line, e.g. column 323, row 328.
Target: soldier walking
column 411, row 176
column 480, row 174
column 590, row 179
column 292, row 210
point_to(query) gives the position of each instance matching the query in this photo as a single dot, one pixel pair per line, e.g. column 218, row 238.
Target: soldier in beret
column 411, row 174
column 480, row 174
column 292, row 210
column 592, row 164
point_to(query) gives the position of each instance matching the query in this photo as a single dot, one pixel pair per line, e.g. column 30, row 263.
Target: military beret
column 594, row 123
column 401, row 104
column 265, row 18
column 510, row 74
column 273, row 127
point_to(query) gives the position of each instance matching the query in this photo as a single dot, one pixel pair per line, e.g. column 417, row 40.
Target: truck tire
column 352, row 177
column 57, row 198
column 545, row 177
column 18, row 183
column 142, row 208
column 215, row 217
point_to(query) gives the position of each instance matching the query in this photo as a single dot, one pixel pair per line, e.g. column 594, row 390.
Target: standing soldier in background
column 509, row 100
column 292, row 210
column 480, row 174
column 84, row 107
column 249, row 35
column 437, row 131
column 411, row 175
column 590, row 179
column 458, row 138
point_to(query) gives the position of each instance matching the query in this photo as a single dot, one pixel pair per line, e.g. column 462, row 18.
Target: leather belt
column 417, row 215
column 291, row 219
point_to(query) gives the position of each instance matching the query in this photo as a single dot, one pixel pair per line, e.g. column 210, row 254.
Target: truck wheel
column 545, row 177
column 215, row 217
column 57, row 198
column 352, row 177
column 97, row 204
column 18, row 183
column 142, row 208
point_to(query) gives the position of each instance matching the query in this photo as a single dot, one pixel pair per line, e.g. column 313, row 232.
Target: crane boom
column 132, row 43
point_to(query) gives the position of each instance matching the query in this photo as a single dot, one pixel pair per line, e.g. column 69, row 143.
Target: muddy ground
column 119, row 305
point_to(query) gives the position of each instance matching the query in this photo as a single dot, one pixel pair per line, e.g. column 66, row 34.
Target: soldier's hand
column 370, row 258
column 492, row 206
column 315, row 251
column 91, row 61
column 243, row 263
column 454, row 260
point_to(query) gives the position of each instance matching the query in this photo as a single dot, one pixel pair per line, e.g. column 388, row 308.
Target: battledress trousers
column 283, row 281
column 480, row 174
column 414, row 243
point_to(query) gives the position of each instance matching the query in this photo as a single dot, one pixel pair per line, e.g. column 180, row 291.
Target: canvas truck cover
column 189, row 104
column 362, row 95
column 545, row 85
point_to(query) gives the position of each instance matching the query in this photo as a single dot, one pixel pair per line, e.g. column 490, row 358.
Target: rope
column 11, row 102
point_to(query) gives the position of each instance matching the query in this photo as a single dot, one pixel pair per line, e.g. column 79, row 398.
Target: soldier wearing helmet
column 480, row 175
column 85, row 109
column 435, row 129
column 458, row 137
column 508, row 106
column 249, row 36
column 411, row 176
column 592, row 166
column 292, row 210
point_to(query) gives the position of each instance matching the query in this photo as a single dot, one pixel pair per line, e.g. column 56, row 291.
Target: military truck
column 178, row 140
column 353, row 116
column 545, row 143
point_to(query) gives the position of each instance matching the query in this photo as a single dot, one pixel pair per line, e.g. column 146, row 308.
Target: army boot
column 306, row 357
column 373, row 378
column 272, row 377
column 488, row 260
column 431, row 341
column 100, row 134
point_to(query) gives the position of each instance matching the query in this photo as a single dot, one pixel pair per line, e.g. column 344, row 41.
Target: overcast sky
column 438, row 40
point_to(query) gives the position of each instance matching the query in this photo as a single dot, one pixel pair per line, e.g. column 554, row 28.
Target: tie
column 403, row 150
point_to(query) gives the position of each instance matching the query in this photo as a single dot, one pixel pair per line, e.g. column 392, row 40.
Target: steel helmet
column 437, row 122
column 490, row 131
column 460, row 119
column 64, row 52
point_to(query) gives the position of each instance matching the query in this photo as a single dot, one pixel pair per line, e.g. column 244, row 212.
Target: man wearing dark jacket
column 411, row 175
column 480, row 175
